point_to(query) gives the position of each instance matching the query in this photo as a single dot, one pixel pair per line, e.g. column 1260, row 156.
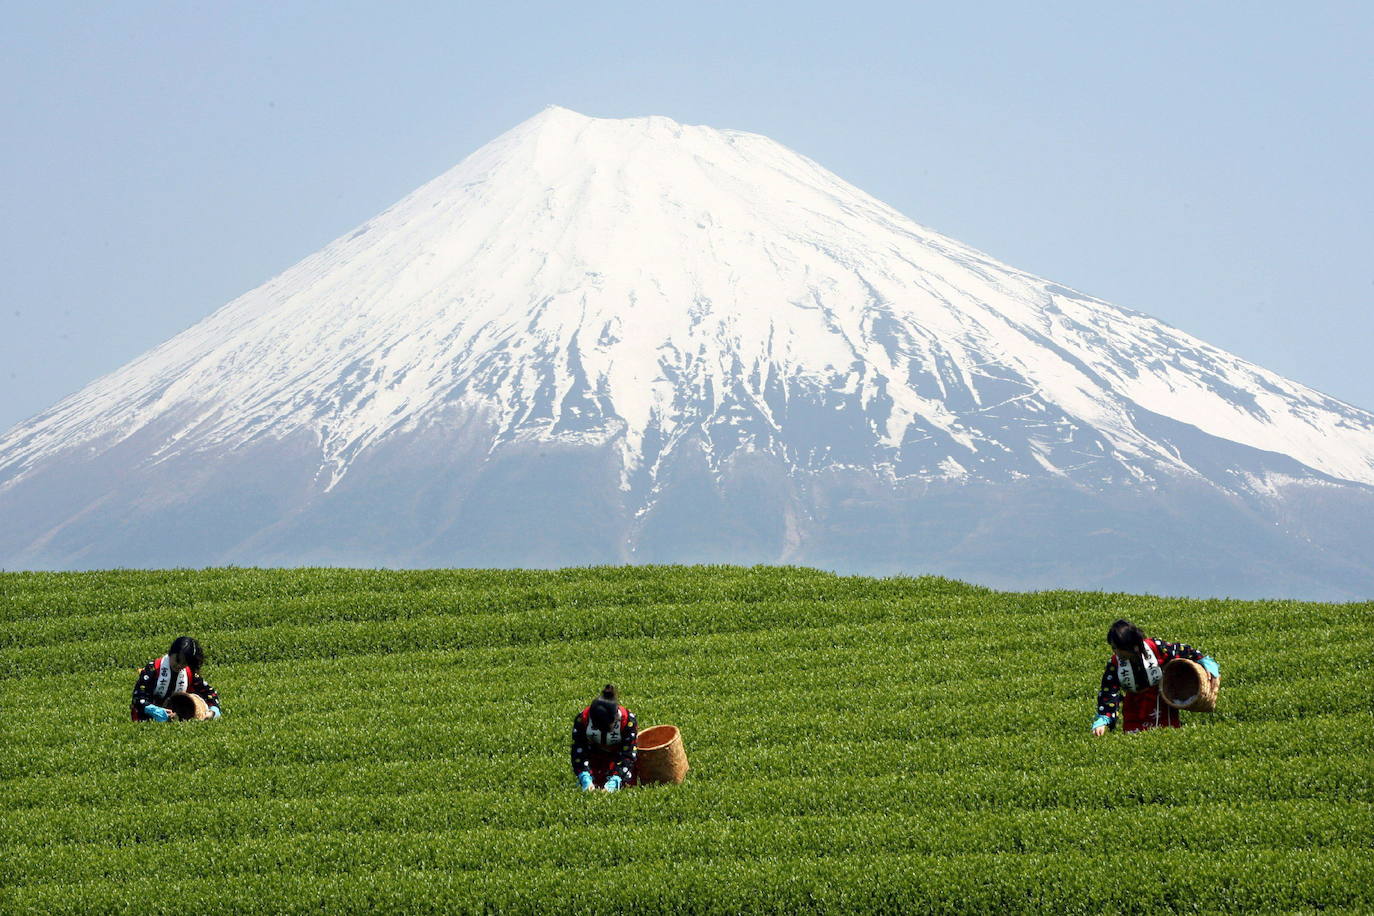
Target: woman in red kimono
column 1131, row 682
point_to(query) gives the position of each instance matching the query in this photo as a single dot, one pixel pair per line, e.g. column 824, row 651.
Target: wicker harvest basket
column 662, row 758
column 188, row 706
column 1187, row 685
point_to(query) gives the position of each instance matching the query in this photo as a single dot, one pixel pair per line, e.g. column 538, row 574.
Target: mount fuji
column 624, row 341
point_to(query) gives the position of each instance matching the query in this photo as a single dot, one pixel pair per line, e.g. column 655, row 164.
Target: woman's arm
column 629, row 750
column 581, row 751
column 143, row 693
column 1171, row 650
column 1108, row 701
column 206, row 693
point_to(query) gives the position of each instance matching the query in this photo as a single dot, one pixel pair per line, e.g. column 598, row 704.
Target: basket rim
column 671, row 737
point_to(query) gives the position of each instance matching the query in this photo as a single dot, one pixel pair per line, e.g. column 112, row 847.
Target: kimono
column 156, row 682
column 1130, row 686
column 605, row 752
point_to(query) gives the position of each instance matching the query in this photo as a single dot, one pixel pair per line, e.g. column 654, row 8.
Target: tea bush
column 398, row 740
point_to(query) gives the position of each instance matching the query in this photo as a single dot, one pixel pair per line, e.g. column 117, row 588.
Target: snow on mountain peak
column 649, row 284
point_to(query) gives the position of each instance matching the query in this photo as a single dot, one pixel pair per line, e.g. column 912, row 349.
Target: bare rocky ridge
column 607, row 341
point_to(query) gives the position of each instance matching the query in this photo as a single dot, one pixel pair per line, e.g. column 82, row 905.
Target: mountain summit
column 633, row 340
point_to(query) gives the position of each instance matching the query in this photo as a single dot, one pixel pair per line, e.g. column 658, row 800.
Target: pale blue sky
column 1205, row 163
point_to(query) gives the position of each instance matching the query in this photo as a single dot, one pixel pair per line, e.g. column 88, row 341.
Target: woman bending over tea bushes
column 1136, row 670
column 603, row 743
column 176, row 672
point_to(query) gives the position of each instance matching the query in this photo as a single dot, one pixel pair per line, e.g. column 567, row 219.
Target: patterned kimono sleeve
column 1172, row 650
column 207, row 693
column 143, row 687
column 1109, row 696
column 629, row 750
column 581, row 750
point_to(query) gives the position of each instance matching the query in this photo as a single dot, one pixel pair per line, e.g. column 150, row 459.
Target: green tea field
column 398, row 742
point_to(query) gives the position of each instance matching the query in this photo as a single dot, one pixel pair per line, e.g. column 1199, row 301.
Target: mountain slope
column 615, row 314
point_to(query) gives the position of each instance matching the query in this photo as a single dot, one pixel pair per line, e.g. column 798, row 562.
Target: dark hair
column 1125, row 635
column 189, row 650
column 605, row 707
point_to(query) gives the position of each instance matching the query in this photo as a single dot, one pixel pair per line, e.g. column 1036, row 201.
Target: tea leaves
column 398, row 740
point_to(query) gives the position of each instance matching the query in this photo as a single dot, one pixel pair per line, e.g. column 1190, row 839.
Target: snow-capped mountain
column 606, row 340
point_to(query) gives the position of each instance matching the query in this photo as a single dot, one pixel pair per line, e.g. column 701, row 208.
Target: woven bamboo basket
column 1187, row 685
column 662, row 758
column 188, row 706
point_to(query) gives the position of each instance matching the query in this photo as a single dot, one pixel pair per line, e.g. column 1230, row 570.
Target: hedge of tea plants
column 398, row 741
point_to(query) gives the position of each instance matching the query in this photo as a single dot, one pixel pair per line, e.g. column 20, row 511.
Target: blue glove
column 157, row 713
column 214, row 712
column 584, row 780
column 1210, row 666
column 613, row 783
column 1099, row 721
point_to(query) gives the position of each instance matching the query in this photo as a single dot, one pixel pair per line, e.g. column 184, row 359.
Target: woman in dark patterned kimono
column 176, row 672
column 1130, row 685
column 603, row 744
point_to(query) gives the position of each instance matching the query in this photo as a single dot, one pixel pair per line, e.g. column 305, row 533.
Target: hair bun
column 609, row 692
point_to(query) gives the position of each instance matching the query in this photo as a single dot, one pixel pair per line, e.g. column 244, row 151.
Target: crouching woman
column 176, row 672
column 1130, row 685
column 603, row 744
